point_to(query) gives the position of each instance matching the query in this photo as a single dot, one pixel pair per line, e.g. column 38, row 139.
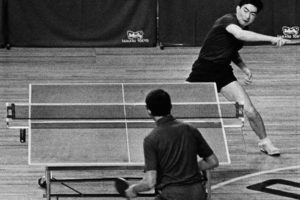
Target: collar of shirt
column 164, row 120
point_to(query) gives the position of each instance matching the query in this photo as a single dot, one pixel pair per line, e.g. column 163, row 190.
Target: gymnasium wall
column 125, row 23
column 130, row 23
column 2, row 40
column 186, row 22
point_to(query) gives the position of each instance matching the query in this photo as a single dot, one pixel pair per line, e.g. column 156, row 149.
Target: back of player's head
column 158, row 102
column 257, row 3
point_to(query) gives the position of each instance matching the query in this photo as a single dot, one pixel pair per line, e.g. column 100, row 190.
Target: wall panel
column 82, row 23
column 2, row 22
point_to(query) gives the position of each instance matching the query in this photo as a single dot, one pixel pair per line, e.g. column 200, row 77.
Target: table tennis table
column 102, row 125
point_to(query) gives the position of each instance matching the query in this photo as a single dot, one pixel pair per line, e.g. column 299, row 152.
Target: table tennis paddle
column 121, row 185
column 294, row 41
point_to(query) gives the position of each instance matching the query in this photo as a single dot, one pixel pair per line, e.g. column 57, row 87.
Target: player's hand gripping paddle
column 121, row 186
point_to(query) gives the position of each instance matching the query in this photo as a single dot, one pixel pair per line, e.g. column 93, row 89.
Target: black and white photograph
column 150, row 99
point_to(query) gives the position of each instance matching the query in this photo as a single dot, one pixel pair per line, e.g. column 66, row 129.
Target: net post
column 22, row 135
column 239, row 110
column 48, row 183
column 11, row 111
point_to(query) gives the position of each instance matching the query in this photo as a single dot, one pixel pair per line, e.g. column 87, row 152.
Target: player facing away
column 170, row 152
column 220, row 48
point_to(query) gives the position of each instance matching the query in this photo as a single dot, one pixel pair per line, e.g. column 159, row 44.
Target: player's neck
column 156, row 118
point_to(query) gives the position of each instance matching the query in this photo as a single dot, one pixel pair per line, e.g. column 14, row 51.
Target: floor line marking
column 252, row 175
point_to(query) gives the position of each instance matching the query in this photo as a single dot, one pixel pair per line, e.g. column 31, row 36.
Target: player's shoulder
column 152, row 135
column 227, row 19
column 187, row 125
column 228, row 16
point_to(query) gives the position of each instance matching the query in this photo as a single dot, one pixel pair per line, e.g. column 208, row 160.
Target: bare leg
column 235, row 92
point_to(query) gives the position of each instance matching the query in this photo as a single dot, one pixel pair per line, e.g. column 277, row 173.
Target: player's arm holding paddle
column 250, row 36
column 150, row 176
column 146, row 184
column 246, row 14
column 149, row 180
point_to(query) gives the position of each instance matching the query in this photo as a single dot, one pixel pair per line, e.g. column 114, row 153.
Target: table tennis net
column 119, row 111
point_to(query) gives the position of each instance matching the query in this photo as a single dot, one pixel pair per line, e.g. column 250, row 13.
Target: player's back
column 176, row 147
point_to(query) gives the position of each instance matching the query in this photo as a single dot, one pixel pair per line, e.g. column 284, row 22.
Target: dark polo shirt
column 171, row 149
column 220, row 46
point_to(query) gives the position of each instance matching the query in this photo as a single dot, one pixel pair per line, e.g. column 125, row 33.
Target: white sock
column 265, row 140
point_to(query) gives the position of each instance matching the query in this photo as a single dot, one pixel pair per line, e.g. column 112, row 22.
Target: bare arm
column 250, row 36
column 208, row 163
column 240, row 63
column 146, row 184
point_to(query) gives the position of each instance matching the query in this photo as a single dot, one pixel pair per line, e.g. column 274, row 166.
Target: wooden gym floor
column 275, row 92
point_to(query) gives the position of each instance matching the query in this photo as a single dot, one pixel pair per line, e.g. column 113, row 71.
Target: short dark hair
column 159, row 102
column 257, row 3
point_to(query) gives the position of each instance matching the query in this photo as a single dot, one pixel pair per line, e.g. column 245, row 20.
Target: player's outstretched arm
column 146, row 184
column 250, row 36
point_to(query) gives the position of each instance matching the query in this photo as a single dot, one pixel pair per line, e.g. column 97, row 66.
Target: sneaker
column 267, row 147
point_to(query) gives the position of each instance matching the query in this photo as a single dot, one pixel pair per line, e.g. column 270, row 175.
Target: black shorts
column 207, row 71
